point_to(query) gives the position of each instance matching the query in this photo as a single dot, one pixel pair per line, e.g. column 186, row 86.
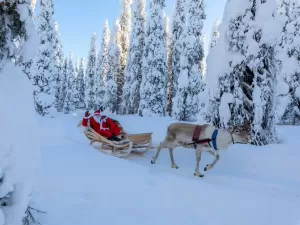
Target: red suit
column 103, row 125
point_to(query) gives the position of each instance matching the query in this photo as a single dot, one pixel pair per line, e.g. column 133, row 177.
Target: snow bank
column 19, row 147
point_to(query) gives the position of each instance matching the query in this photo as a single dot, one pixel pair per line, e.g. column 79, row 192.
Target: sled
column 131, row 143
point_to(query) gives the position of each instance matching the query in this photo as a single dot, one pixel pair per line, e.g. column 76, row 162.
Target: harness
column 213, row 138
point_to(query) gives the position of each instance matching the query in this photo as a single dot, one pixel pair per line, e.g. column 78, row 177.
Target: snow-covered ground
column 250, row 185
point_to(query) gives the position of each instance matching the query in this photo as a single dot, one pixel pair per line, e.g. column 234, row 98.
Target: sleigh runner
column 130, row 143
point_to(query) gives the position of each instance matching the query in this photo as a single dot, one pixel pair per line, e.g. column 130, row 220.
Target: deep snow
column 19, row 144
column 78, row 185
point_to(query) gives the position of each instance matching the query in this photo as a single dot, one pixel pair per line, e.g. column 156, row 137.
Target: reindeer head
column 240, row 133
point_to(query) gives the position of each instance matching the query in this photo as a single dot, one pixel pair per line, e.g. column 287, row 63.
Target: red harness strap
column 196, row 135
column 197, row 132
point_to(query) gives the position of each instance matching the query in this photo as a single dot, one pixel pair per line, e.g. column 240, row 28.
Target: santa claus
column 103, row 125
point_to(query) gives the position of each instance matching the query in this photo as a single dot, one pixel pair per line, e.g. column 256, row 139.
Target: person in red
column 103, row 125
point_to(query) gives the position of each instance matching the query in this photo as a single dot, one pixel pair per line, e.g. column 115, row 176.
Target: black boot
column 114, row 138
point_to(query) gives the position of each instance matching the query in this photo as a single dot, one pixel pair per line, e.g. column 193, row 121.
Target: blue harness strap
column 214, row 138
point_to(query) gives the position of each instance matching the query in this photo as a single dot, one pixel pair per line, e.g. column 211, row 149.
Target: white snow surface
column 80, row 185
column 297, row 92
column 19, row 143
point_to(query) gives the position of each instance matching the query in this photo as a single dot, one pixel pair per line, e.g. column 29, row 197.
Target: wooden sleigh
column 131, row 143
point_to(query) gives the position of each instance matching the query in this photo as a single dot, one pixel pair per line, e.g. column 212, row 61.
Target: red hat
column 97, row 112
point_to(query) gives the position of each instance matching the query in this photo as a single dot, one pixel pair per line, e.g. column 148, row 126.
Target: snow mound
column 18, row 143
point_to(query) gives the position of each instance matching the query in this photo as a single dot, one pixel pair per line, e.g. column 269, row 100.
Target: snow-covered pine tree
column 90, row 75
column 44, row 67
column 168, row 40
column 224, row 80
column 133, row 72
column 263, row 65
column 81, row 85
column 178, row 26
column 202, row 64
column 289, row 81
column 27, row 65
column 76, row 67
column 63, row 86
column 59, row 60
column 76, row 87
column 242, row 85
column 186, row 105
column 70, row 100
column 103, row 55
column 125, row 23
column 214, row 34
column 99, row 87
column 153, row 88
column 114, row 59
column 18, row 155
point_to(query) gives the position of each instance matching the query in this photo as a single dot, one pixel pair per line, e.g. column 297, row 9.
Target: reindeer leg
column 173, row 164
column 217, row 157
column 157, row 154
column 198, row 158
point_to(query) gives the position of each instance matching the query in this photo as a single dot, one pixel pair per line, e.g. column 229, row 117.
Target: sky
column 78, row 19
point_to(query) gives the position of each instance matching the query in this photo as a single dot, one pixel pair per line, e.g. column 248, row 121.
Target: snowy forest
column 147, row 64
column 142, row 66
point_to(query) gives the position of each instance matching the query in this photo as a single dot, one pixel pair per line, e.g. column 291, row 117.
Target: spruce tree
column 289, row 99
column 176, row 49
column 76, row 67
column 125, row 24
column 153, row 94
column 133, row 73
column 103, row 55
column 69, row 102
column 243, row 85
column 99, row 87
column 44, row 67
column 169, row 83
column 76, row 87
column 19, row 43
column 114, row 59
column 190, row 82
column 90, row 75
column 63, row 87
column 59, row 59
column 101, row 68
column 81, row 85
column 26, row 65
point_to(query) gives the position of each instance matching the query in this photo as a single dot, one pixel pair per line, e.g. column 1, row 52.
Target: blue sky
column 78, row 19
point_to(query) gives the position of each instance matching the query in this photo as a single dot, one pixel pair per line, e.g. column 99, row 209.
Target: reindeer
column 203, row 138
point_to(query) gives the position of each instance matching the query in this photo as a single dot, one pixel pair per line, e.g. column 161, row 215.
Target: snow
column 19, row 143
column 224, row 109
column 297, row 92
column 29, row 48
column 80, row 185
column 183, row 79
column 282, row 88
